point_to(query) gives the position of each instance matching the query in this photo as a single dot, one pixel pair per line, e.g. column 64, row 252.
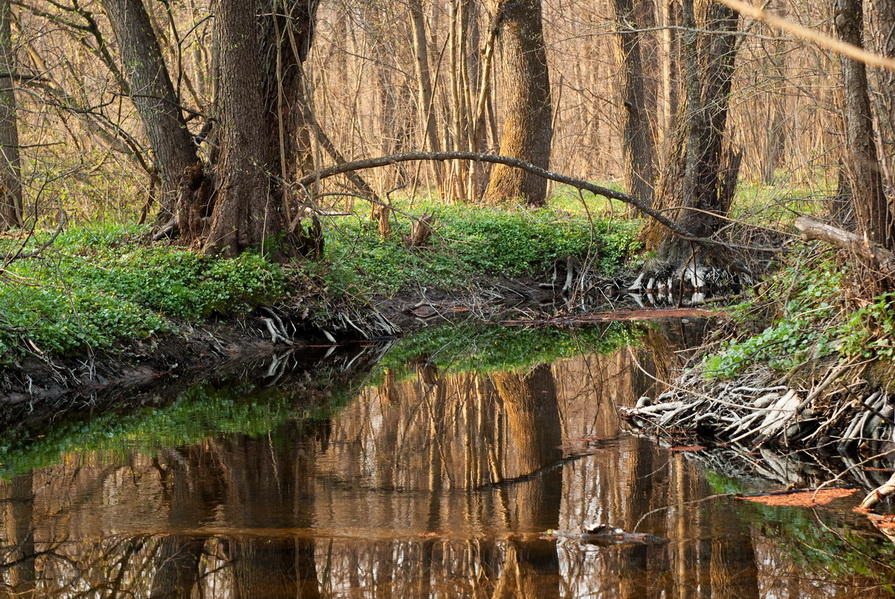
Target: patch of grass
column 468, row 242
column 100, row 283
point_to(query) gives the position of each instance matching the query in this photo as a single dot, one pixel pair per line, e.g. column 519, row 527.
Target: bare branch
column 512, row 162
column 812, row 35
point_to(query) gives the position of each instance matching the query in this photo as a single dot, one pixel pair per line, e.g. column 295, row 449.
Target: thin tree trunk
column 11, row 210
column 425, row 97
column 700, row 174
column 871, row 208
column 638, row 144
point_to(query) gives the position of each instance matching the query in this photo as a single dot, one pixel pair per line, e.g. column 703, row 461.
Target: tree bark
column 425, row 96
column 872, row 211
column 263, row 135
column 247, row 209
column 709, row 72
column 708, row 169
column 638, row 143
column 11, row 210
column 528, row 128
column 153, row 95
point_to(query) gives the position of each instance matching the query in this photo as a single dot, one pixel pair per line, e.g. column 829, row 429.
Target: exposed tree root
column 759, row 409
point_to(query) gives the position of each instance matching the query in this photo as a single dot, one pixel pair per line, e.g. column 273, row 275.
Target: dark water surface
column 419, row 483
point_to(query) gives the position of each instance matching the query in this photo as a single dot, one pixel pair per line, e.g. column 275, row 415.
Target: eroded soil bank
column 196, row 349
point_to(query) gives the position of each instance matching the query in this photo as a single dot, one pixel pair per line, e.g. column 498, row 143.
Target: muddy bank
column 194, row 350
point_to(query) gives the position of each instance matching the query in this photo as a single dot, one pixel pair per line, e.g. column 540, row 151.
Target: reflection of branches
column 32, row 556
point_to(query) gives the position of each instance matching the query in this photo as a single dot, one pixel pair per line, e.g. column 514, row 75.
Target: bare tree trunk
column 247, row 207
column 11, row 210
column 709, row 77
column 871, row 208
column 425, row 97
column 153, row 94
column 528, row 129
column 669, row 17
column 883, row 42
column 709, row 171
column 638, row 142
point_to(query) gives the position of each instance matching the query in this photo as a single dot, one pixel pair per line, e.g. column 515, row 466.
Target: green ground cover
column 100, row 283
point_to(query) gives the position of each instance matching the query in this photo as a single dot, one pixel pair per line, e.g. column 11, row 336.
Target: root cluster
column 759, row 409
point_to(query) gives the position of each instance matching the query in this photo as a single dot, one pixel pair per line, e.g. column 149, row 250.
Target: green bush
column 803, row 303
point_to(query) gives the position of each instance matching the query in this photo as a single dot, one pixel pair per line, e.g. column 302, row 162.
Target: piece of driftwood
column 878, row 494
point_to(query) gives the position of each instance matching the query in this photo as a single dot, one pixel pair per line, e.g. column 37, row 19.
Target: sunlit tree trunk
column 708, row 169
column 872, row 211
column 153, row 94
column 883, row 18
column 11, row 210
column 637, row 139
column 425, row 98
column 528, row 128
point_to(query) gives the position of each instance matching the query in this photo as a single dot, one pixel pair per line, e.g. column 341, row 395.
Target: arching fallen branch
column 513, row 162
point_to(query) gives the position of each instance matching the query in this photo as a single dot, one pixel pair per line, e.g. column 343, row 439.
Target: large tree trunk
column 247, row 208
column 638, row 143
column 153, row 94
column 11, row 212
column 528, row 129
column 285, row 40
column 263, row 135
column 871, row 208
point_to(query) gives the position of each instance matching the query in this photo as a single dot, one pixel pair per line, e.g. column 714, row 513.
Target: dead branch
column 19, row 255
column 878, row 494
column 869, row 250
column 579, row 184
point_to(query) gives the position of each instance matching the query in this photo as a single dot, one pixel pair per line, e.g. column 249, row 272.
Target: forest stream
column 428, row 468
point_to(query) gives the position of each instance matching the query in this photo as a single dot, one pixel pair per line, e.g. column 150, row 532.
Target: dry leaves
column 804, row 498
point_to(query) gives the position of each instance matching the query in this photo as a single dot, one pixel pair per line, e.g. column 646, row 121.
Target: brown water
column 425, row 486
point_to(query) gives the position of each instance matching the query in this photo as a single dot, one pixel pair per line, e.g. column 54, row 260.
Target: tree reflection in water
column 436, row 486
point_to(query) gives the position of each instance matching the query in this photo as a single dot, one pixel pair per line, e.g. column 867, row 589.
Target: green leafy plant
column 100, row 283
column 800, row 303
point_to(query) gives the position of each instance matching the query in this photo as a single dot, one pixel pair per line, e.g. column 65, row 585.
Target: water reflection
column 427, row 486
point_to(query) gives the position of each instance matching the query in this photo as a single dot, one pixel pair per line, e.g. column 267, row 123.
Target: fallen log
column 861, row 246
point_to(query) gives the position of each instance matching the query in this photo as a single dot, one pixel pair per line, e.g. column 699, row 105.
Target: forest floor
column 99, row 305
